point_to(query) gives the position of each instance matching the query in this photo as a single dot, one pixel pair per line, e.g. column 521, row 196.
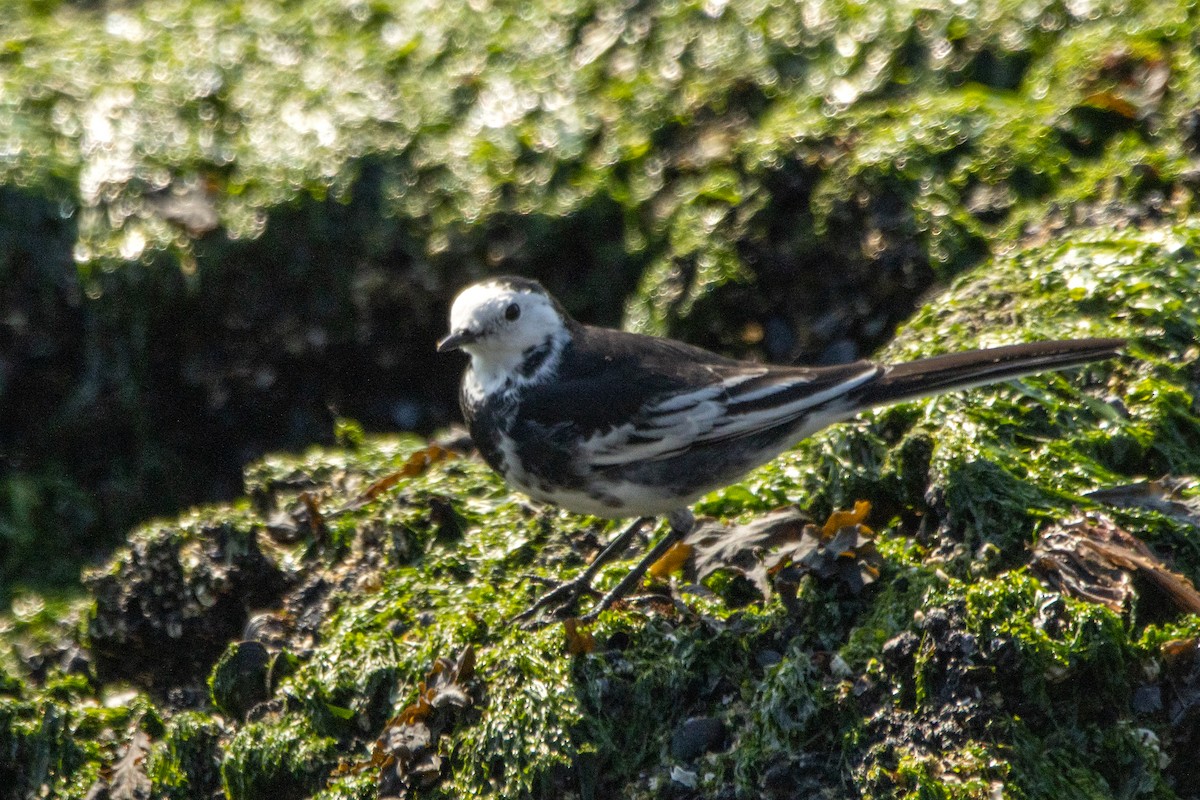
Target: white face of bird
column 500, row 323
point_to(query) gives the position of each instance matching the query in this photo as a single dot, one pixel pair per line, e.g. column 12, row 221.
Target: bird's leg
column 569, row 591
column 682, row 521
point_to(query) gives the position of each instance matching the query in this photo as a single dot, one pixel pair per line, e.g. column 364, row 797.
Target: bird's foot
column 564, row 595
column 681, row 522
column 562, row 598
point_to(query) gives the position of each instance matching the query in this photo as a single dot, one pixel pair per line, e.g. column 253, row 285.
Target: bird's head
column 502, row 320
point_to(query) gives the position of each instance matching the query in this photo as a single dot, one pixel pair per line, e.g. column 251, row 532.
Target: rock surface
column 187, row 235
column 297, row 638
column 219, row 219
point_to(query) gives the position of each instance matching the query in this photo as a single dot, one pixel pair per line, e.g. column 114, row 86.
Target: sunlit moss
column 284, row 759
column 186, row 762
column 700, row 146
column 129, row 103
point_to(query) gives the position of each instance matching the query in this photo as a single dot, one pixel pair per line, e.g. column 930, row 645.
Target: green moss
column 698, row 159
column 1075, row 656
column 971, row 772
column 284, row 758
column 902, row 591
column 36, row 621
column 1009, row 458
column 522, row 744
column 62, row 747
column 782, row 713
column 185, row 763
column 1087, row 763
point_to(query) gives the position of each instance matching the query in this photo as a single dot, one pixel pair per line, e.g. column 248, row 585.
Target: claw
column 562, row 597
column 681, row 525
column 681, row 522
column 572, row 590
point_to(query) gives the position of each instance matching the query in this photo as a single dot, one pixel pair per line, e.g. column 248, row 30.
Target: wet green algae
column 980, row 128
column 164, row 164
column 1011, row 686
column 565, row 101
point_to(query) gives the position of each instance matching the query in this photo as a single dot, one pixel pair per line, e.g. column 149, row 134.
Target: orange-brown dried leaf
column 579, row 639
column 419, row 462
column 416, row 711
column 380, row 486
column 1178, row 647
column 416, row 464
column 1109, row 101
column 379, row 760
column 841, row 519
column 316, row 520
column 671, row 561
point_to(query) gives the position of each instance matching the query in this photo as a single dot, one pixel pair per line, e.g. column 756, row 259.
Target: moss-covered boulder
column 373, row 585
column 221, row 219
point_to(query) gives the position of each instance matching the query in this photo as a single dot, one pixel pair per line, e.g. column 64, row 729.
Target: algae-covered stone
column 221, row 219
column 241, row 678
column 956, row 667
column 165, row 611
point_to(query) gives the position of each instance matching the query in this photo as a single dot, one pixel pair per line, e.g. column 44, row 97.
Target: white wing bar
column 739, row 405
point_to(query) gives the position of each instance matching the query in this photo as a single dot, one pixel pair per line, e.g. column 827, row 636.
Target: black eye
column 512, row 312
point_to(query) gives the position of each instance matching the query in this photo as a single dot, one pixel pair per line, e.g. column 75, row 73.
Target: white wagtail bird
column 618, row 424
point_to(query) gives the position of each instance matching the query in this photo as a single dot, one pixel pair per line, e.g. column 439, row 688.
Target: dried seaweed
column 579, row 639
column 127, row 780
column 406, row 752
column 1093, row 559
column 785, row 539
column 1166, row 496
column 416, row 464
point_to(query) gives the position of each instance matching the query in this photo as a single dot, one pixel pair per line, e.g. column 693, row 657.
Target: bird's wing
column 622, row 398
column 740, row 400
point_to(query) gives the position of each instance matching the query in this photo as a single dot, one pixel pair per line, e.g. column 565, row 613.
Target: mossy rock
column 221, row 219
column 771, row 179
column 957, row 673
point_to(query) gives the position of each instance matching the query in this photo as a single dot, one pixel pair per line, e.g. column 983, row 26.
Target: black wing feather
column 606, row 377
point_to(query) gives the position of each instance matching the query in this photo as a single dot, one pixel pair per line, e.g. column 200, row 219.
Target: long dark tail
column 939, row 374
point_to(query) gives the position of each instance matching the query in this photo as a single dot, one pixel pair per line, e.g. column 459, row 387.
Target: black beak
column 455, row 340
